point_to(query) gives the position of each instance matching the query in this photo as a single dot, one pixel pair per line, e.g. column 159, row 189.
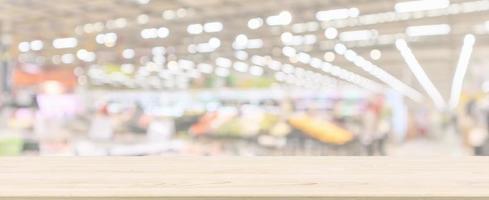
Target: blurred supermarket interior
column 244, row 77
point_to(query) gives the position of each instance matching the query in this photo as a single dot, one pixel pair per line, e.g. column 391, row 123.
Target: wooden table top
column 243, row 178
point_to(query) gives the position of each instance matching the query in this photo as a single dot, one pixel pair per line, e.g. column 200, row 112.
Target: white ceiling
column 27, row 20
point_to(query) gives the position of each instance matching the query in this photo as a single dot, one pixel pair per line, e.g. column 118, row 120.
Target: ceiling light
column 340, row 48
column 214, row 42
column 163, row 32
column 212, row 27
column 156, row 51
column 240, row 42
column 462, row 65
column 222, row 72
column 24, row 47
column 288, row 51
column 240, row 66
column 304, row 57
column 67, row 58
column 258, row 60
column 329, row 56
column 328, row 15
column 256, row 71
column 426, row 30
column 128, row 53
column 241, row 55
column 195, row 29
column 143, row 2
column 358, row 35
column 286, row 37
column 169, row 14
column 382, row 75
column 85, row 55
column 254, row 44
column 36, row 45
column 274, row 65
column 283, row 18
column 255, row 23
column 181, row 12
column 142, row 19
column 420, row 5
column 64, row 43
column 331, row 33
column 149, row 33
column 186, row 64
column 375, row 54
column 420, row 74
column 223, row 62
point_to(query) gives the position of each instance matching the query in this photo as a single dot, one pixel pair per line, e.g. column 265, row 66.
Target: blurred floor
column 449, row 144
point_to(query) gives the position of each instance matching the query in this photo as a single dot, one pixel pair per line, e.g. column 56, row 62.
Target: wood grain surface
column 243, row 178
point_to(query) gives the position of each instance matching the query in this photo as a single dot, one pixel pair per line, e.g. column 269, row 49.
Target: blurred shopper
column 477, row 112
column 376, row 125
column 138, row 122
column 101, row 126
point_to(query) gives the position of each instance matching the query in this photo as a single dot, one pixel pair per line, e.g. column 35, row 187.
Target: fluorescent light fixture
column 255, row 23
column 242, row 42
column 375, row 54
column 254, row 44
column 289, row 51
column 462, row 65
column 212, row 27
column 169, row 14
column 331, row 33
column 65, row 43
column 327, row 15
column 256, row 70
column 223, row 62
column 240, row 66
column 258, row 60
column 241, row 55
column 128, row 53
column 163, row 32
column 340, row 48
column 148, row 33
column 283, row 18
column 68, row 58
column 85, row 55
column 358, row 35
column 335, row 71
column 142, row 19
column 24, row 47
column 37, row 45
column 158, row 51
column 329, row 56
column 214, row 42
column 427, row 30
column 421, row 5
column 195, row 29
column 379, row 73
column 420, row 74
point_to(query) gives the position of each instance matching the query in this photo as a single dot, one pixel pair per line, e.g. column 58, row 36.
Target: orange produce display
column 321, row 130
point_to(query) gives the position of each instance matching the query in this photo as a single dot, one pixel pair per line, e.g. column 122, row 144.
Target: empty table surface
column 243, row 178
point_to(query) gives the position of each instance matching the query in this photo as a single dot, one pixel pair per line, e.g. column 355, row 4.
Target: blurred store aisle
column 448, row 145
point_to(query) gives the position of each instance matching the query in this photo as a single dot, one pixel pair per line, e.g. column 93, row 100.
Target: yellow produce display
column 321, row 130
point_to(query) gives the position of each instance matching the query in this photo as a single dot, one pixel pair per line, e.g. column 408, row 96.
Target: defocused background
column 236, row 77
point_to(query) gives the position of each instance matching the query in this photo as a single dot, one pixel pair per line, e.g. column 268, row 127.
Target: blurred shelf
column 243, row 178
